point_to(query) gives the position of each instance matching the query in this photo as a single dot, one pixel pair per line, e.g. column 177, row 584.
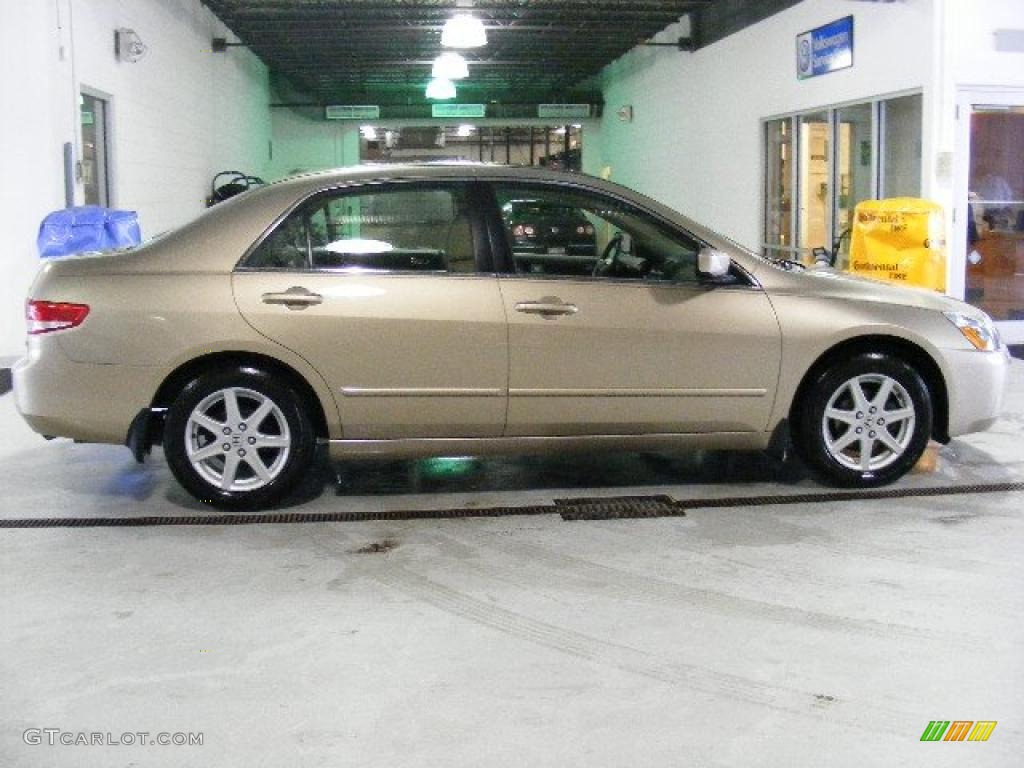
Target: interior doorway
column 558, row 147
column 988, row 247
column 95, row 163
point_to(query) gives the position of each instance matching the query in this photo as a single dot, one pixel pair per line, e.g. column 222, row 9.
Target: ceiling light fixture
column 464, row 131
column 450, row 66
column 369, row 132
column 441, row 89
column 463, row 31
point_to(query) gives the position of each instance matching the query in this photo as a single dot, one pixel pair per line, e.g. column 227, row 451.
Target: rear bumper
column 83, row 401
column 975, row 383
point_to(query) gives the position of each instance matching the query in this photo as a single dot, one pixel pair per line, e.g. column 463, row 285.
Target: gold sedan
column 393, row 311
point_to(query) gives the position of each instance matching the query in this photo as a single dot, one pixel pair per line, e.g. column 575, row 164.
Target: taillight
column 523, row 230
column 584, row 229
column 47, row 316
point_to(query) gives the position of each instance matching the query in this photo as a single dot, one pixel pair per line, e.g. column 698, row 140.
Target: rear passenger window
column 287, row 247
column 422, row 229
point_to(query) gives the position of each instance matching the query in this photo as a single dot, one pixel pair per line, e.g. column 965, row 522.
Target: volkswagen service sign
column 825, row 49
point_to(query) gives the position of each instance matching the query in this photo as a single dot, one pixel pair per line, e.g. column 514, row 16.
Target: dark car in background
column 546, row 236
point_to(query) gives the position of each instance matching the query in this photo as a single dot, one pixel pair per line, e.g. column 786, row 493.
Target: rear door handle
column 295, row 297
column 547, row 307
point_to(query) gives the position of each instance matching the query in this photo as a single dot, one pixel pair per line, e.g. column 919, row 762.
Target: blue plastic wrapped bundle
column 87, row 228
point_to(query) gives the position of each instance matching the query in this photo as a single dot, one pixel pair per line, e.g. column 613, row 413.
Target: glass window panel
column 856, row 169
column 413, row 229
column 901, row 139
column 287, row 247
column 95, row 182
column 779, row 184
column 560, row 231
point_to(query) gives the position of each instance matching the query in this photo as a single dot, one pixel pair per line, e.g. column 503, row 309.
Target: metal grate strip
column 587, row 508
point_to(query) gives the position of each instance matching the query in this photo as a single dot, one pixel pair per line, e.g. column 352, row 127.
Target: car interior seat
column 459, row 245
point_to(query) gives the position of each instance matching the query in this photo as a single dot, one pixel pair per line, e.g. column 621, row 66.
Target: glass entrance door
column 994, row 221
column 815, row 184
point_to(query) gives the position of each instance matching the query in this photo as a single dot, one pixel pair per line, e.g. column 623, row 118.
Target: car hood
column 827, row 282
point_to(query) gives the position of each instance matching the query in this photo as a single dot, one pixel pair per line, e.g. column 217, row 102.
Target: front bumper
column 976, row 384
column 83, row 401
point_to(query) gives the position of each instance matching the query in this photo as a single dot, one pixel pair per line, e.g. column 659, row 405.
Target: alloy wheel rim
column 237, row 439
column 868, row 422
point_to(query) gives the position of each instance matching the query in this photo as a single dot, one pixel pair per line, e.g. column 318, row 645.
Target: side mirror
column 713, row 263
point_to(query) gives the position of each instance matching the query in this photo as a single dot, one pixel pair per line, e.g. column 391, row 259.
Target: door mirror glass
column 712, row 262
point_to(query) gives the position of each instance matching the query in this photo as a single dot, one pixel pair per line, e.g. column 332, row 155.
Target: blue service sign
column 825, row 49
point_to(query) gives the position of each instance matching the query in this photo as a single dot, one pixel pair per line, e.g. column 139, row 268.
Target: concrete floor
column 807, row 634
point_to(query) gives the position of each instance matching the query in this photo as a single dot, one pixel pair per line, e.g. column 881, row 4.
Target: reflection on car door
column 385, row 299
column 593, row 355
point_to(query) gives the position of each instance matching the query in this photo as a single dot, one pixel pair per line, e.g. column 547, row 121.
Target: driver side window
column 561, row 231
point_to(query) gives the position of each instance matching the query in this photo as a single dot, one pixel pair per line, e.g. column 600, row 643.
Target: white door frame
column 1011, row 331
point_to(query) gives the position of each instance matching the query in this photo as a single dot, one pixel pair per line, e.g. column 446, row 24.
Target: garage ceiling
column 380, row 51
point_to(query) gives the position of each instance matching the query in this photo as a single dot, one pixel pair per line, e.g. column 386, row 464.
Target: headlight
column 978, row 330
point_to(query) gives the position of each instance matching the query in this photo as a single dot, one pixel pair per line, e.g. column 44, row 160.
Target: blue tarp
column 87, row 228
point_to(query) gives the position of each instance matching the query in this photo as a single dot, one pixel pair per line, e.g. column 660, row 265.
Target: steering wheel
column 609, row 256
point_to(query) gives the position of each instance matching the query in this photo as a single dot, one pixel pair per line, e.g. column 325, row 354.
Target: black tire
column 873, row 427
column 260, row 467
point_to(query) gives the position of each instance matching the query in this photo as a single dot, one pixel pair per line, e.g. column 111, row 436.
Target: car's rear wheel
column 239, row 439
column 865, row 421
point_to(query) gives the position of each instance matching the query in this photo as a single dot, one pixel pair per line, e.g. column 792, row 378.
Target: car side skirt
column 488, row 446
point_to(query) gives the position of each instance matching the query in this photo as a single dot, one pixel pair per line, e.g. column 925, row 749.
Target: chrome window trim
column 633, row 281
column 342, row 272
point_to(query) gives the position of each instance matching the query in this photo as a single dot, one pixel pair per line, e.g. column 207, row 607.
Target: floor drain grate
column 620, row 507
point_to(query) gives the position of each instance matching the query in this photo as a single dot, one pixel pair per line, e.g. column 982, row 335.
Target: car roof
column 426, row 170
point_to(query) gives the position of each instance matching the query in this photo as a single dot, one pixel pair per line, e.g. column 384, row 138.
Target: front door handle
column 549, row 306
column 295, row 297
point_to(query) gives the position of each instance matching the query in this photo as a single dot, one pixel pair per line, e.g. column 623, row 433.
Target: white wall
column 695, row 141
column 31, row 180
column 970, row 28
column 310, row 143
column 178, row 116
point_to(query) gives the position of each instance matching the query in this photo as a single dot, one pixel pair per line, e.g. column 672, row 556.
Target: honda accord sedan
column 381, row 311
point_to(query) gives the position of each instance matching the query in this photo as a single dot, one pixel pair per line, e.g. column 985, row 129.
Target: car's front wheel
column 238, row 439
column 865, row 421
